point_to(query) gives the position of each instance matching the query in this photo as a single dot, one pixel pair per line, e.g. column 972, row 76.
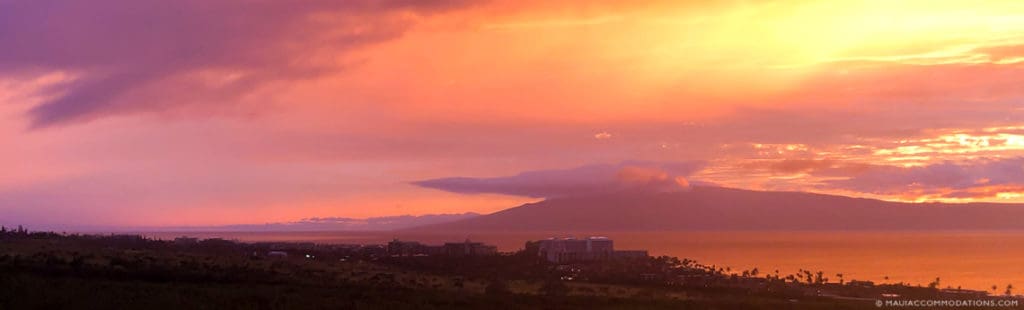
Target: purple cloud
column 947, row 175
column 130, row 55
column 576, row 181
column 981, row 178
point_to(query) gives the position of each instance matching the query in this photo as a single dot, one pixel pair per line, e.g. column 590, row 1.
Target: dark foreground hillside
column 25, row 291
column 49, row 271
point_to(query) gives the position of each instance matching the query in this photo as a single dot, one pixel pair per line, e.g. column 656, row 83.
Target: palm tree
column 1009, row 289
column 994, row 288
column 840, row 276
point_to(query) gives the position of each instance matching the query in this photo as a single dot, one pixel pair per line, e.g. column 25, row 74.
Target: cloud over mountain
column 590, row 179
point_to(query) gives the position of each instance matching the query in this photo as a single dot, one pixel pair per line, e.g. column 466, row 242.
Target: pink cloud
column 151, row 55
column 367, row 94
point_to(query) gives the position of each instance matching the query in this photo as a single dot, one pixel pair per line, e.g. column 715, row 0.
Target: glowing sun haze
column 192, row 112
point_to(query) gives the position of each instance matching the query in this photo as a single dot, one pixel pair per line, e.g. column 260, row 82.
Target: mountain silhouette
column 717, row 208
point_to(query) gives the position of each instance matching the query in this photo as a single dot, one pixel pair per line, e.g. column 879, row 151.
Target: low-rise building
column 410, row 248
column 468, row 248
column 562, row 250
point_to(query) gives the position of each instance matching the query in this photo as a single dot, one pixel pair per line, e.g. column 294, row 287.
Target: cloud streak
column 984, row 178
column 976, row 179
column 590, row 179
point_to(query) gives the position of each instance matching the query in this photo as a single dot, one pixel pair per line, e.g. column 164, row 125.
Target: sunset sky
column 197, row 112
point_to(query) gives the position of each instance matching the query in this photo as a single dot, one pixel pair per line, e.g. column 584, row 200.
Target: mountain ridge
column 720, row 208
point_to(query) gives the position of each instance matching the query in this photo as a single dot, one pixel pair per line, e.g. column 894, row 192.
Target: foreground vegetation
column 54, row 271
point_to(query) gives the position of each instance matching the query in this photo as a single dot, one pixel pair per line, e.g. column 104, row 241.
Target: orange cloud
column 335, row 106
